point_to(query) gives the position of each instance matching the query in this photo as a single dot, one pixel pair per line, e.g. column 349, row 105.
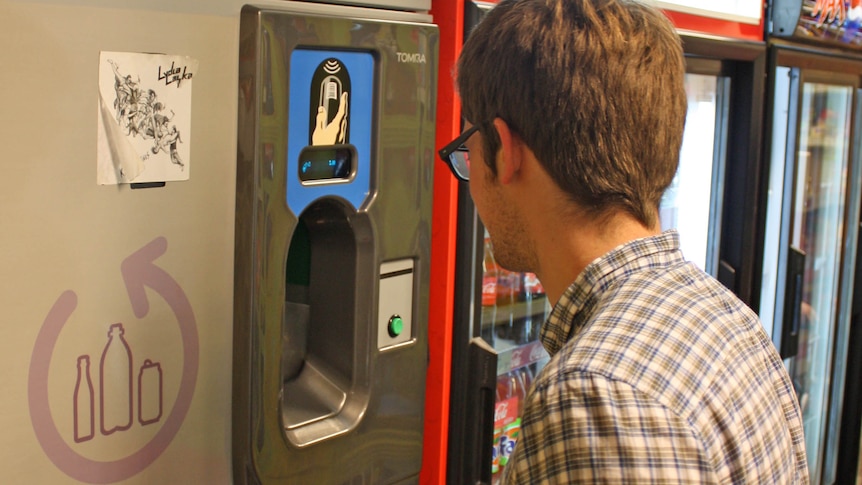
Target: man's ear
column 511, row 152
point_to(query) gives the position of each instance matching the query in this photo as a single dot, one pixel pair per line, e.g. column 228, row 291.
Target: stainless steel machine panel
column 333, row 224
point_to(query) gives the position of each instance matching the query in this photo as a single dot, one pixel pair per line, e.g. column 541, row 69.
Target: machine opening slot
column 318, row 327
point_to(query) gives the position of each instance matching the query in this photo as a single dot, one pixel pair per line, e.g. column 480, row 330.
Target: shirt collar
column 576, row 305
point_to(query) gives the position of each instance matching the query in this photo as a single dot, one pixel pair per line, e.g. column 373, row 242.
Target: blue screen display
column 331, row 105
column 318, row 164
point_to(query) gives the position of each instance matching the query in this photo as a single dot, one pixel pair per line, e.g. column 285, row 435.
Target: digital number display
column 329, row 163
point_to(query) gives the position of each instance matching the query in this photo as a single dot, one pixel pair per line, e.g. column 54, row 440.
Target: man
column 575, row 111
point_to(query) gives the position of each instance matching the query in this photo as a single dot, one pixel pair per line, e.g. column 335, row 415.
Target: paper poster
column 145, row 103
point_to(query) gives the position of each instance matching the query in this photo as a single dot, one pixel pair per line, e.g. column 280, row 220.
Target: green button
column 396, row 326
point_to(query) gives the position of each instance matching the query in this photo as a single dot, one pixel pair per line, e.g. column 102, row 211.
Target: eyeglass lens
column 460, row 160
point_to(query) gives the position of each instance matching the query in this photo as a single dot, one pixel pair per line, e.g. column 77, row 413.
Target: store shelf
column 518, row 356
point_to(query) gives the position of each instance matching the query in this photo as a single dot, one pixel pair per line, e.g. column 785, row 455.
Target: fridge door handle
column 727, row 276
column 792, row 303
column 482, row 389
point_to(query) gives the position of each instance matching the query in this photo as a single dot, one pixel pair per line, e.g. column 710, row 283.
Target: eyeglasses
column 456, row 155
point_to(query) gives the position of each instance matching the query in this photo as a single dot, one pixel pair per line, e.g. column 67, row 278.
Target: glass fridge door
column 806, row 291
column 692, row 204
column 514, row 307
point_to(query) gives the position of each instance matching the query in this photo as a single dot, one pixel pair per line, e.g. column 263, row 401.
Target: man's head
column 593, row 87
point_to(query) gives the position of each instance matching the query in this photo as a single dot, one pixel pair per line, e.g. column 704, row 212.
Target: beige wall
column 61, row 231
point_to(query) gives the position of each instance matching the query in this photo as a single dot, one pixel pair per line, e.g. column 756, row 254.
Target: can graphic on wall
column 150, row 393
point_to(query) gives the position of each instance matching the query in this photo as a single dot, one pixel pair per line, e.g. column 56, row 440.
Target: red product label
column 505, row 412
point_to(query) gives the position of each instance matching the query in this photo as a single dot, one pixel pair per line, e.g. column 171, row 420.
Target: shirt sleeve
column 586, row 428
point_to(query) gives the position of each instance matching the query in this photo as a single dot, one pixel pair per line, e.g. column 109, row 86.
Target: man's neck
column 564, row 238
column 564, row 253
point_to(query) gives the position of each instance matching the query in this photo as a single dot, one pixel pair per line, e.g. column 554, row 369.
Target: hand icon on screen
column 332, row 133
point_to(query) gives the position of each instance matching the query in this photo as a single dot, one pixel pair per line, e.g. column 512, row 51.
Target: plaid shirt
column 658, row 375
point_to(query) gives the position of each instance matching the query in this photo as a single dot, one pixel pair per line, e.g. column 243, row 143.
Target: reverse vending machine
column 333, row 223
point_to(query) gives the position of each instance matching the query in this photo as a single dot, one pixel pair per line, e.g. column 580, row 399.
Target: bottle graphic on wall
column 82, row 402
column 115, row 382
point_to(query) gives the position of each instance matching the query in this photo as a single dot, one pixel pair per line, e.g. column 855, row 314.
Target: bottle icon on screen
column 329, row 110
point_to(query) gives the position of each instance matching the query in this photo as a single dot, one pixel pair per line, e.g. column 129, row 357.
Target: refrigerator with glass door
column 811, row 219
column 496, row 315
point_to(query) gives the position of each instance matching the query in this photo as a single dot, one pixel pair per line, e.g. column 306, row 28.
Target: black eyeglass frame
column 454, row 146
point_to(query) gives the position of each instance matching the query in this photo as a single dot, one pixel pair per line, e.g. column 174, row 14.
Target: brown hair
column 593, row 87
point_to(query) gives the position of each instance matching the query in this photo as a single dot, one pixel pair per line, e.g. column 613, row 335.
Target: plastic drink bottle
column 507, row 283
column 490, row 272
column 501, row 412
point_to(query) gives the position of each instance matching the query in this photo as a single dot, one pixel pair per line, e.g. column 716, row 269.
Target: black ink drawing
column 174, row 75
column 141, row 114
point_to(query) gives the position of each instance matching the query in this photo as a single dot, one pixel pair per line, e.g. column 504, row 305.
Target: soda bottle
column 490, row 273
column 533, row 309
column 501, row 412
column 521, row 323
column 512, row 421
column 517, row 389
column 506, row 289
column 527, row 378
